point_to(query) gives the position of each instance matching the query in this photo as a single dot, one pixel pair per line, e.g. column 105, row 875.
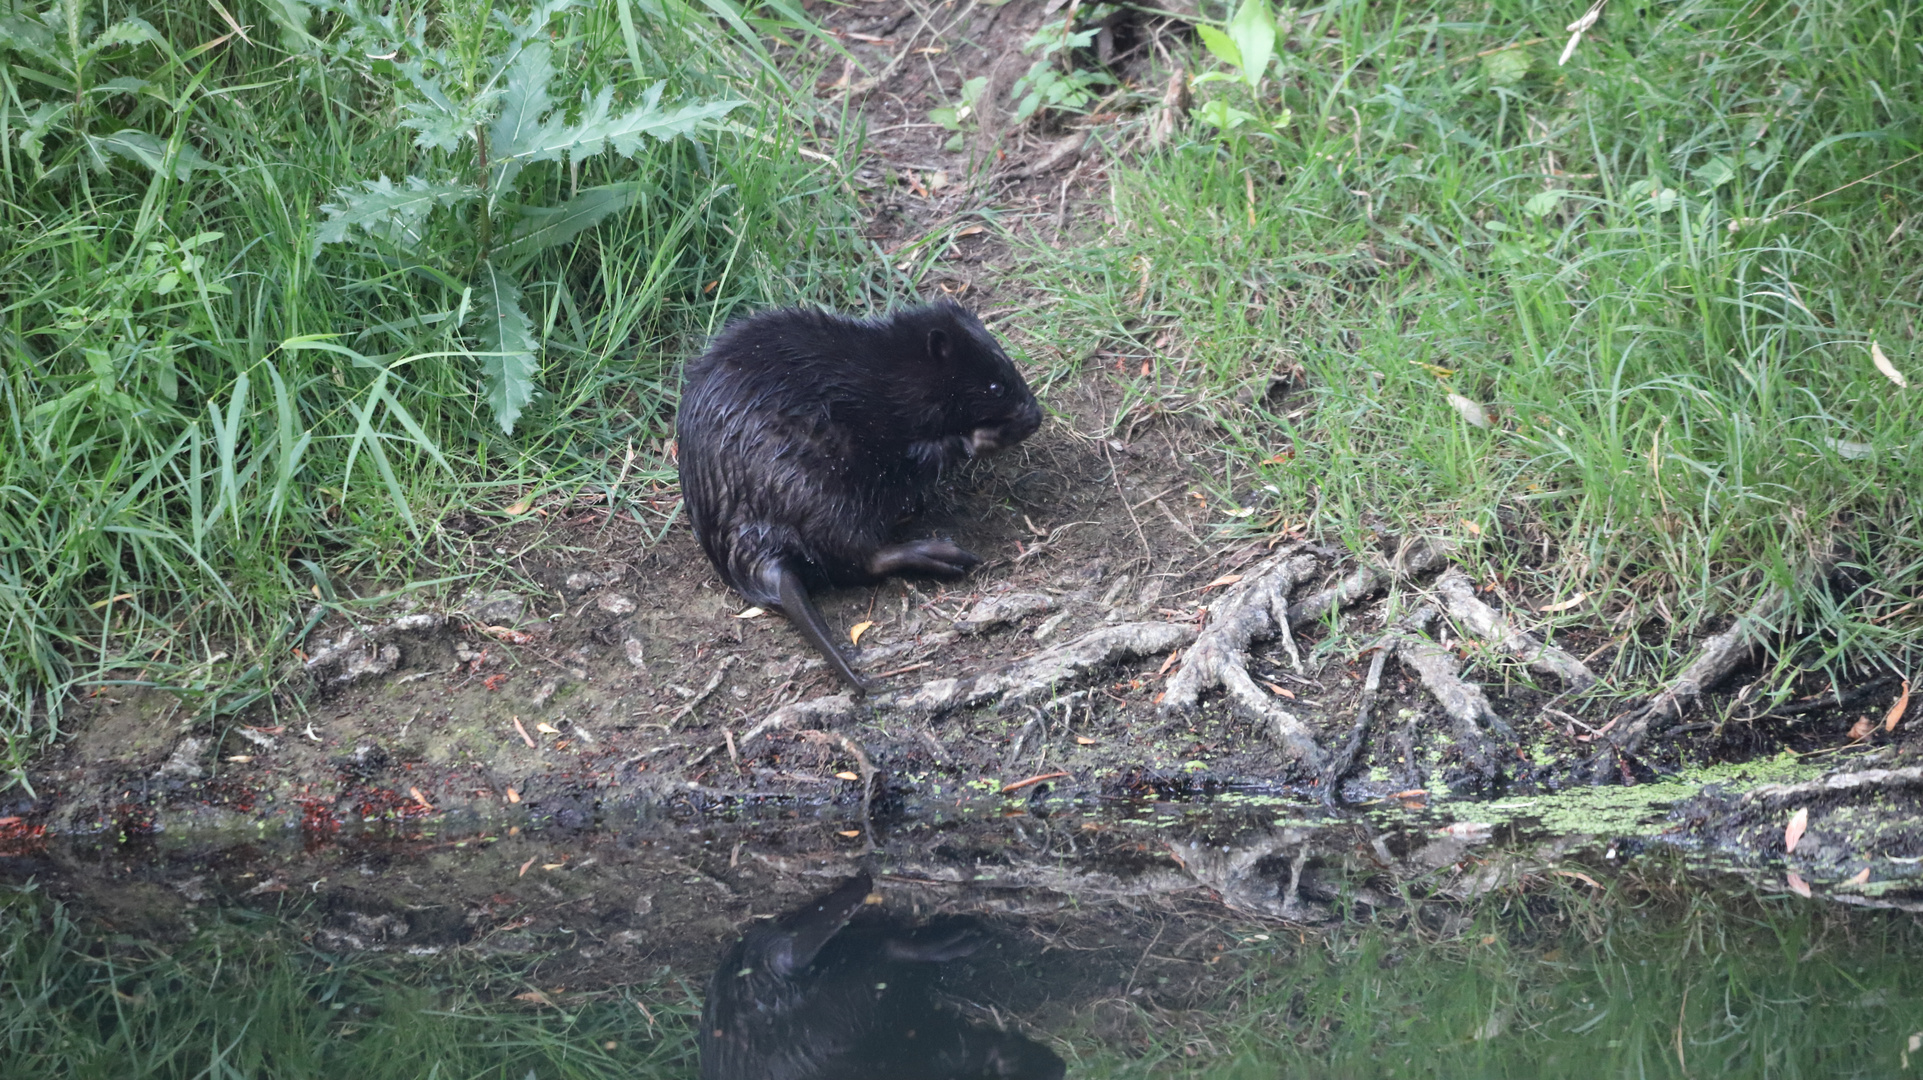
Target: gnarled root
column 1459, row 599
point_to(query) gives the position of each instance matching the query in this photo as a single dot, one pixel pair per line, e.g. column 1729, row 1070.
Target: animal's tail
column 806, row 617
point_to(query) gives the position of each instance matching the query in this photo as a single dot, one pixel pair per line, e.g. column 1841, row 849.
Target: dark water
column 1243, row 938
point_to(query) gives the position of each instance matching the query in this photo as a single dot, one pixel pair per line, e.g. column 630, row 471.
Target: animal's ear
column 939, row 345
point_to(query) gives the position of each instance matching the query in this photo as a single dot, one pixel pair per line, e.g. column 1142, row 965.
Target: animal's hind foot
column 936, row 558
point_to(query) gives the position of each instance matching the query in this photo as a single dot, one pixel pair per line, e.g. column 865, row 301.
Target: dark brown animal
column 811, row 997
column 806, row 438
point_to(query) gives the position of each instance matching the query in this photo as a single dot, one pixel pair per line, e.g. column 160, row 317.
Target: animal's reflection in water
column 811, row 997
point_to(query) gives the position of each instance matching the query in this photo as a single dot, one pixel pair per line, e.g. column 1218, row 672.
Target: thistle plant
column 465, row 217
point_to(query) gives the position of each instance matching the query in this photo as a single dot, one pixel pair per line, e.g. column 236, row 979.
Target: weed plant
column 210, row 421
column 1619, row 315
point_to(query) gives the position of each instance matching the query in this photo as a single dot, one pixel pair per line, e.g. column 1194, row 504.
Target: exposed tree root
column 1254, row 608
column 1459, row 600
column 1835, row 784
column 1717, row 657
column 1419, row 559
column 1463, row 702
column 1330, row 782
column 1043, row 673
column 1037, row 676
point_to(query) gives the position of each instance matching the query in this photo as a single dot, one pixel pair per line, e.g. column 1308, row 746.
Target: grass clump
column 1621, row 313
column 212, row 412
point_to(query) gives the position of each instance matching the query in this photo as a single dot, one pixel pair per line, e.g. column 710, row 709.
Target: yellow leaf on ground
column 860, row 628
column 1083, row 740
column 1797, row 885
column 1861, row 877
column 520, row 508
column 546, row 728
column 513, row 796
column 1225, row 579
column 849, row 833
column 847, row 776
column 750, row 613
column 1861, row 729
column 1563, row 605
column 1793, row 833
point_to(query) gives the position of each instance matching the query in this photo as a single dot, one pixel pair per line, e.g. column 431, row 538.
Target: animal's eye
column 995, row 389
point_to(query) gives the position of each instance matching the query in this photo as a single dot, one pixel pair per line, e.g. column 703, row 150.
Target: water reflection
column 830, row 990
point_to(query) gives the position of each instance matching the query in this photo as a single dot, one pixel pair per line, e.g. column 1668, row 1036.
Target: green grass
column 1659, row 268
column 1551, row 980
column 204, row 425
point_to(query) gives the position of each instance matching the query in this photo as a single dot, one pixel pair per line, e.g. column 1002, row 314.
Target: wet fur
column 805, row 438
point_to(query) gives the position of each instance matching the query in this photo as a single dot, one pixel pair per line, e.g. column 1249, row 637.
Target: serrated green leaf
column 125, row 32
column 1253, row 29
column 381, row 210
column 1220, row 44
column 149, row 150
column 543, row 227
column 441, row 122
column 524, row 101
column 28, row 36
column 507, row 344
column 600, row 128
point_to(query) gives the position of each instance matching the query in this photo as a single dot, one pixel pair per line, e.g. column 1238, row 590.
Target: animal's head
column 985, row 399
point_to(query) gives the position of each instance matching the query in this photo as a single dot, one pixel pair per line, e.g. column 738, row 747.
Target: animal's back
column 780, row 454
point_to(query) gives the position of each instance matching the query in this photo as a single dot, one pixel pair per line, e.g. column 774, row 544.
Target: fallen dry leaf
column 507, row 634
column 1793, row 833
column 1888, row 369
column 1020, row 784
column 1861, row 877
column 1861, row 729
column 420, row 798
column 860, row 628
column 844, row 775
column 1280, row 458
column 1582, row 877
column 524, row 867
column 1474, row 529
column 552, row 865
column 546, row 728
column 536, row 997
column 1896, row 711
column 525, row 737
column 1083, row 740
column 520, row 508
column 241, row 759
column 849, row 833
column 1473, row 414
column 750, row 613
column 1225, row 579
column 513, row 796
column 1797, row 885
column 1281, row 691
column 1563, row 605
column 972, row 230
